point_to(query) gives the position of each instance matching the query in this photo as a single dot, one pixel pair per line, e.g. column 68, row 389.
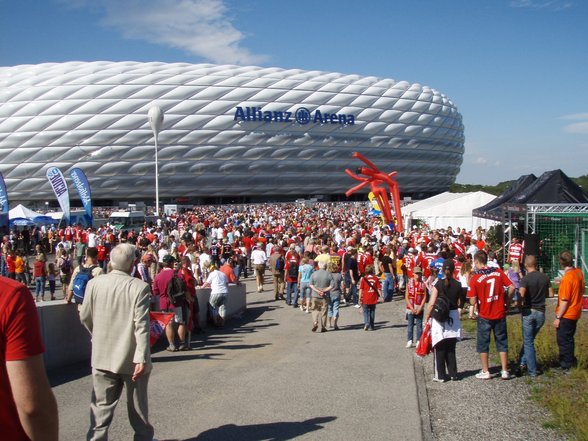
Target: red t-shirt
column 39, row 269
column 487, row 286
column 416, row 292
column 10, row 264
column 515, row 252
column 458, row 248
column 159, row 287
column 291, row 261
column 409, row 261
column 20, row 338
column 370, row 293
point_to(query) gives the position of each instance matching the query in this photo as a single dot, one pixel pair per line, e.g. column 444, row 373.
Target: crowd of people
column 321, row 257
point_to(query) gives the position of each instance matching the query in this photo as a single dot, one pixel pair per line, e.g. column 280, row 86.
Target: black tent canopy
column 552, row 187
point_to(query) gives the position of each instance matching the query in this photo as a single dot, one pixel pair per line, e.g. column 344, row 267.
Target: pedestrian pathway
column 267, row 376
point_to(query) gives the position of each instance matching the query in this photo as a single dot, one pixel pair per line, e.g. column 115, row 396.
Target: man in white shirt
column 258, row 258
column 91, row 238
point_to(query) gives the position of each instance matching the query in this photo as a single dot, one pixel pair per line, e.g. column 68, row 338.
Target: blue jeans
column 388, row 286
column 352, row 296
column 532, row 320
column 3, row 267
column 305, row 290
column 40, row 286
column 291, row 293
column 412, row 320
column 565, row 341
column 334, row 307
column 485, row 328
column 369, row 315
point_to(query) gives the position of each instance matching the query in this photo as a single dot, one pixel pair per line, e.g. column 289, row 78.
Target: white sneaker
column 505, row 375
column 417, row 343
column 483, row 375
column 438, row 380
column 357, row 306
column 409, row 344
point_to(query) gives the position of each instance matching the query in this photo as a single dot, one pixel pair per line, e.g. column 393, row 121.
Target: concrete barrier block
column 66, row 340
column 236, row 302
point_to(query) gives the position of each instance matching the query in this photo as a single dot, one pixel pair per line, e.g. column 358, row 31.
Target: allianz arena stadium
column 242, row 132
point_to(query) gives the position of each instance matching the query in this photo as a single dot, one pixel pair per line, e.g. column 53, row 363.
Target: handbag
column 425, row 345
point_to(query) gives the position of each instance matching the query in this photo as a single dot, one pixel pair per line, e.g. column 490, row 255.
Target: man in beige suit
column 116, row 312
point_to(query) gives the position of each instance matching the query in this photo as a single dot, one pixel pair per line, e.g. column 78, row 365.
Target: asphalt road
column 266, row 376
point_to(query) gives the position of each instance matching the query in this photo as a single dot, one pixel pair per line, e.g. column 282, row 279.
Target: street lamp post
column 155, row 116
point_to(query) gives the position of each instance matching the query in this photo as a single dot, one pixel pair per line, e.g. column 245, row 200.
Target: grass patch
column 566, row 396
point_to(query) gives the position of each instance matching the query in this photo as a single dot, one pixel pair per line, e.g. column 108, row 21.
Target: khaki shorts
column 260, row 269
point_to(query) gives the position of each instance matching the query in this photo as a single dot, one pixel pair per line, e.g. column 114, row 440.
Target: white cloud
column 577, row 127
column 580, row 127
column 199, row 27
column 481, row 160
column 556, row 5
column 575, row 116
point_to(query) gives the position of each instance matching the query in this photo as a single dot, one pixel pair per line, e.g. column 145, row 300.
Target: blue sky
column 516, row 69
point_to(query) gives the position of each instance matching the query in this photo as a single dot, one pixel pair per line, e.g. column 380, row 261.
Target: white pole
column 155, row 115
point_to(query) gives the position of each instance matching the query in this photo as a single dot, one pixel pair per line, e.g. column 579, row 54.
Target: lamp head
column 155, row 116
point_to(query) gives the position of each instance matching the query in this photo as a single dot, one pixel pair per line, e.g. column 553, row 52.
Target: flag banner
column 59, row 187
column 83, row 187
column 158, row 322
column 3, row 204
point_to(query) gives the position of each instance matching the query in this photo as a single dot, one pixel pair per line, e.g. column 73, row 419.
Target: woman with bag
column 445, row 323
column 191, row 305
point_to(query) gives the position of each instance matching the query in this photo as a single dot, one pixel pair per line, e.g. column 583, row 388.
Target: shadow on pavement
column 256, row 432
column 63, row 375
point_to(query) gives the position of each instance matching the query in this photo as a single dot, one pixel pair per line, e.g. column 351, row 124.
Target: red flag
column 425, row 345
column 158, row 322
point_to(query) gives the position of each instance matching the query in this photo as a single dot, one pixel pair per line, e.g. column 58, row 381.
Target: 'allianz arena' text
column 227, row 130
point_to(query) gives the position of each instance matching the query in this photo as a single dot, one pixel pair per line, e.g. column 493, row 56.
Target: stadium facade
column 228, row 131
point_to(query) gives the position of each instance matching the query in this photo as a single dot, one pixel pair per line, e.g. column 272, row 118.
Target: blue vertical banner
column 83, row 187
column 59, row 187
column 4, row 220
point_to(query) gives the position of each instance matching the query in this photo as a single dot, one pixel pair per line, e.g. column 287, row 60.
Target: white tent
column 450, row 209
column 22, row 212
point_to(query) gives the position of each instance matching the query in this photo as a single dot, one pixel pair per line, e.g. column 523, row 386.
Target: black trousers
column 565, row 340
column 445, row 360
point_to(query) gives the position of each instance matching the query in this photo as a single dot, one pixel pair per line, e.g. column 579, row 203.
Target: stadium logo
column 301, row 116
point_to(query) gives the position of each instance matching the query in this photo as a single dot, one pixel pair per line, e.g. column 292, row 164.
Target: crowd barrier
column 67, row 342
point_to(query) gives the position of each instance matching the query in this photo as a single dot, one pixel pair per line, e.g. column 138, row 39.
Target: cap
column 168, row 258
column 417, row 270
column 412, row 250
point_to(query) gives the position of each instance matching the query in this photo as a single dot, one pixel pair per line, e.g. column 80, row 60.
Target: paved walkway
column 266, row 376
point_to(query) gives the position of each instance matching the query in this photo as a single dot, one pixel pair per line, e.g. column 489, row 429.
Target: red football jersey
column 487, row 286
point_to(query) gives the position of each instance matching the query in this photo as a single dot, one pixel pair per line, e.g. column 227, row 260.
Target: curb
column 422, row 398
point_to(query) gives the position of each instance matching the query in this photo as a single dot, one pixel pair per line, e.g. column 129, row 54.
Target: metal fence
column 559, row 232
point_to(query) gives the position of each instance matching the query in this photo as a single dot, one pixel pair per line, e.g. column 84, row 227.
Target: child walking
column 40, row 275
column 51, row 274
column 415, row 297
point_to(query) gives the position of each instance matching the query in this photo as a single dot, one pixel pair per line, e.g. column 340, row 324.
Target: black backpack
column 176, row 290
column 66, row 266
column 440, row 311
column 293, row 270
